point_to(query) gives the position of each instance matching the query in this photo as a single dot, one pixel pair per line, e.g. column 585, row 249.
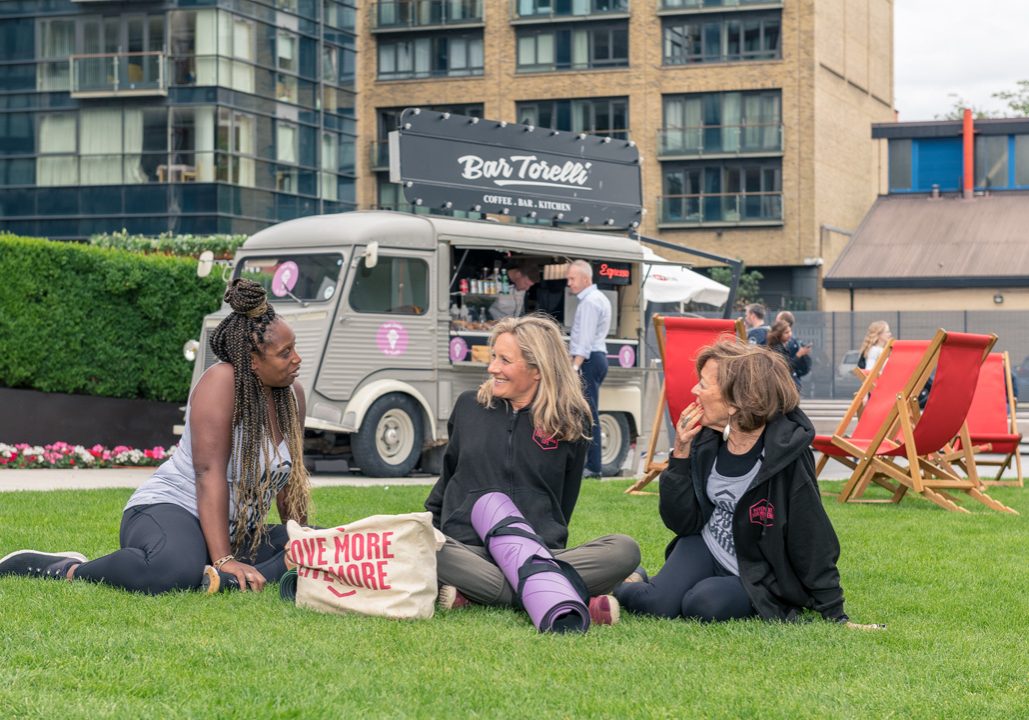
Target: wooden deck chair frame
column 652, row 468
column 928, row 474
column 872, row 389
column 982, row 446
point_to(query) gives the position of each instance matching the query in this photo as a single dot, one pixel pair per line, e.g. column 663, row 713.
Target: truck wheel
column 389, row 442
column 614, row 442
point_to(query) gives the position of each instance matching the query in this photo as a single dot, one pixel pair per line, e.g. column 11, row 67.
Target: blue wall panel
column 937, row 161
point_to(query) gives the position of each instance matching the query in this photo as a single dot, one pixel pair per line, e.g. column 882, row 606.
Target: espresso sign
column 455, row 162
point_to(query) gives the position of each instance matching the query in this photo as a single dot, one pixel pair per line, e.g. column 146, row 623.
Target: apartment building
column 752, row 116
column 191, row 116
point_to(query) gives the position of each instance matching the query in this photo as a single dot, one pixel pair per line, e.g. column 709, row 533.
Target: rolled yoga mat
column 288, row 585
column 551, row 592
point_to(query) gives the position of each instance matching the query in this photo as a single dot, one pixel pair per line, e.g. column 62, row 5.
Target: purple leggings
column 163, row 548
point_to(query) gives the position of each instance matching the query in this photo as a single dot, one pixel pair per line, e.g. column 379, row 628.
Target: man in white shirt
column 588, row 348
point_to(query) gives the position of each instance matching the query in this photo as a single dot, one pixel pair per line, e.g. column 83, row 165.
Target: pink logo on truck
column 391, row 338
column 285, row 278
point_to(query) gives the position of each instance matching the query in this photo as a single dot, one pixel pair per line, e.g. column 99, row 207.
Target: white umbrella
column 675, row 283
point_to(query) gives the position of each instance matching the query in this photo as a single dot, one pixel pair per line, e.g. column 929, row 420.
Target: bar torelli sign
column 449, row 161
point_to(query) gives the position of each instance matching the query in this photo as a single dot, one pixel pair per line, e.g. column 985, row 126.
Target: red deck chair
column 680, row 340
column 925, row 437
column 880, row 386
column 992, row 425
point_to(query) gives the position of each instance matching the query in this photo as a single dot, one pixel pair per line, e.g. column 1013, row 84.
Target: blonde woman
column 525, row 433
column 872, row 346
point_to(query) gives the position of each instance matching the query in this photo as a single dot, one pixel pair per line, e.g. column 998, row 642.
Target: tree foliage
column 749, row 290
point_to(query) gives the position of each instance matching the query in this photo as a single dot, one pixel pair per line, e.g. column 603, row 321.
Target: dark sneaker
column 215, row 581
column 31, row 563
column 588, row 474
column 450, row 598
column 604, row 610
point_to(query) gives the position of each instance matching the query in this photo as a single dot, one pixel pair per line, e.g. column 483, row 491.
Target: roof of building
column 948, row 128
column 913, row 241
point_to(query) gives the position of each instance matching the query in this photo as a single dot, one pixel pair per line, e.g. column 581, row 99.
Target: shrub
column 94, row 321
column 222, row 246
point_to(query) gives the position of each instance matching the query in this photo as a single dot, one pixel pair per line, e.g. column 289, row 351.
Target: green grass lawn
column 953, row 589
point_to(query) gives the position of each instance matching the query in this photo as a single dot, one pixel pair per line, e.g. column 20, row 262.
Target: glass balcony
column 748, row 208
column 716, row 5
column 417, row 14
column 719, row 140
column 567, row 9
column 116, row 74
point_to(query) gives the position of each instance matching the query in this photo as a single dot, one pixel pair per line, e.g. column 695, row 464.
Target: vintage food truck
column 392, row 313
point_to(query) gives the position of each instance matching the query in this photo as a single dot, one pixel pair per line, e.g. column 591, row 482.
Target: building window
column 900, row 164
column 56, row 43
column 566, row 48
column 597, row 116
column 731, row 192
column 728, row 38
column 236, row 143
column 729, row 122
column 286, row 46
column 991, row 161
column 433, row 56
column 1022, row 160
column 192, row 150
column 58, row 162
column 560, row 8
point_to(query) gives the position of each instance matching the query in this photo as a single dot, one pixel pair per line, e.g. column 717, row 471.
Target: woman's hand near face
column 686, row 429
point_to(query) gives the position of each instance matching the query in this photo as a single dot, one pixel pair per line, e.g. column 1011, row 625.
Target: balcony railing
column 401, row 14
column 714, row 4
column 567, row 9
column 707, row 140
column 756, row 208
column 113, row 74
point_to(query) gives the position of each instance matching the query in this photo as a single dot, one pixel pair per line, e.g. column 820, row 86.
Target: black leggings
column 692, row 585
column 163, row 548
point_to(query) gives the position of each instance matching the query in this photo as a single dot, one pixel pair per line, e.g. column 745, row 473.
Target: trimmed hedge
column 223, row 246
column 96, row 321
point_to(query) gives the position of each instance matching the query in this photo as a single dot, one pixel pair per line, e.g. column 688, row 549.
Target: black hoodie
column 785, row 545
column 498, row 450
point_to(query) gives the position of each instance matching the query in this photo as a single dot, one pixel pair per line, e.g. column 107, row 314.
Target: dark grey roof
column 949, row 128
column 912, row 241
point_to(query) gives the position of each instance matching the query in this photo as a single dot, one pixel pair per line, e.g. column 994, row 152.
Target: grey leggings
column 692, row 585
column 163, row 548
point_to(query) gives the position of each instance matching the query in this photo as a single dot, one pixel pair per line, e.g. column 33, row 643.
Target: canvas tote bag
column 381, row 565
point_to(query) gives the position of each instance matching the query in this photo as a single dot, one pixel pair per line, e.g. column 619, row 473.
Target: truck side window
column 396, row 285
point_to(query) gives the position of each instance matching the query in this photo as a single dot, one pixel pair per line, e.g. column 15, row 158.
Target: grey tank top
column 174, row 481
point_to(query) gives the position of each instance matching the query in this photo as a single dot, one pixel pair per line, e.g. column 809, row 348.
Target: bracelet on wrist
column 222, row 560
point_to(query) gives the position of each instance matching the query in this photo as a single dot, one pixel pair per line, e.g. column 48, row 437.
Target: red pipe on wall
column 968, row 134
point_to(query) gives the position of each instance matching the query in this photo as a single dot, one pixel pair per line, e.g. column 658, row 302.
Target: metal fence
column 835, row 338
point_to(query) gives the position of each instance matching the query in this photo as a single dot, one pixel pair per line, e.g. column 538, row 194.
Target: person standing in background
column 589, row 348
column 797, row 354
column 754, row 319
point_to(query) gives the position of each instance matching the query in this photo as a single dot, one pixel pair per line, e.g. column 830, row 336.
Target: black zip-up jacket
column 498, row 450
column 785, row 545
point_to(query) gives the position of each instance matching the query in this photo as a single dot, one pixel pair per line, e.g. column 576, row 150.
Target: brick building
column 752, row 116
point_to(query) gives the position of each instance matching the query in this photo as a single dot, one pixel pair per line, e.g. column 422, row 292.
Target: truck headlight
column 189, row 350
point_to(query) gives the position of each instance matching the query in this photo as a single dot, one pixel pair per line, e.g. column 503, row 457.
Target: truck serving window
column 396, row 285
column 311, row 278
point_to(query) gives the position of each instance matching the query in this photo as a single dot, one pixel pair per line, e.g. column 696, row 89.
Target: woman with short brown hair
column 740, row 473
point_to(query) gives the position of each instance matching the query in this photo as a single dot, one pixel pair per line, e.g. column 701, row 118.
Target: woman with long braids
column 200, row 520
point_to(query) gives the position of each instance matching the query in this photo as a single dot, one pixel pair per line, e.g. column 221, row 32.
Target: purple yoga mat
column 549, row 597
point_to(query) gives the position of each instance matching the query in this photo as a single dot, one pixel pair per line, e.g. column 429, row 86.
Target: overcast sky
column 969, row 47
